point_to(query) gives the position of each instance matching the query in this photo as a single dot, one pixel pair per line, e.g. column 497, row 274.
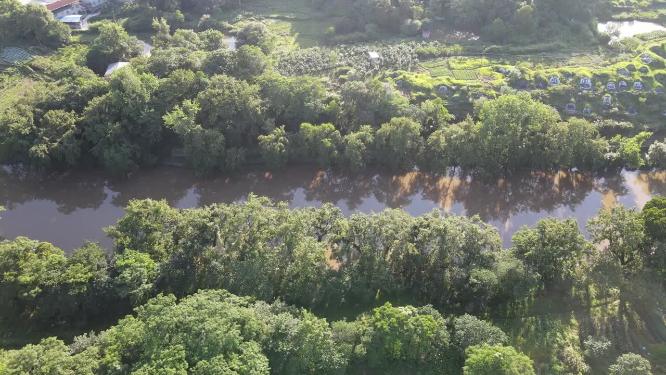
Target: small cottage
column 75, row 22
column 646, row 59
column 62, row 8
column 638, row 86
column 587, row 111
column 607, row 101
column 610, row 86
column 570, row 108
column 554, row 80
column 624, row 72
column 622, row 85
column 115, row 66
column 586, row 83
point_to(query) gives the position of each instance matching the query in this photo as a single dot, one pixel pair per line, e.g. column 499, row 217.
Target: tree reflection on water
column 507, row 202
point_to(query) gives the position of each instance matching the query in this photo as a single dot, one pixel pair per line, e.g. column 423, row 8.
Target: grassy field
column 294, row 18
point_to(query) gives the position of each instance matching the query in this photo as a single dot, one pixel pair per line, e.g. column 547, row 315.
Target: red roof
column 59, row 4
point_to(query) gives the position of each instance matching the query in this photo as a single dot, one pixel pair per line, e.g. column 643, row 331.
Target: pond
column 70, row 209
column 626, row 29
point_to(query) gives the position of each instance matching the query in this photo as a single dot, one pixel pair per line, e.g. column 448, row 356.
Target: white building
column 75, row 21
column 62, row 8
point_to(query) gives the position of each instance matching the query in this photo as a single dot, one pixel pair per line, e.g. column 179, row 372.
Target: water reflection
column 626, row 29
column 69, row 209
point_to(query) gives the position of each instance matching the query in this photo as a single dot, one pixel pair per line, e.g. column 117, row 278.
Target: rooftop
column 59, row 4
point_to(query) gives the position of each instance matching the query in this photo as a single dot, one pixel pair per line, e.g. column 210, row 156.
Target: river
column 70, row 209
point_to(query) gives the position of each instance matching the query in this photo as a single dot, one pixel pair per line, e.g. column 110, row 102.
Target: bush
column 596, row 347
column 469, row 330
column 630, row 364
column 497, row 360
column 657, row 155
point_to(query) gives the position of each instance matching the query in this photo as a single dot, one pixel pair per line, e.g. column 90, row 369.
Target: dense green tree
column 321, row 143
column 304, row 346
column 654, row 217
column 399, row 143
column 204, row 148
column 576, row 143
column 121, row 126
column 178, row 86
column 512, row 131
column 630, row 363
column 656, row 156
column 386, row 259
column 627, row 151
column 274, row 147
column 30, row 268
column 232, row 107
column 293, row 100
column 372, row 102
column 40, row 282
column 143, row 228
column 358, row 148
column 474, row 14
column 207, row 6
column 496, row 360
column 113, row 44
column 256, row 34
column 57, row 143
column 163, row 61
column 453, row 146
column 435, row 115
column 208, row 331
column 249, row 62
column 50, row 357
column 525, row 20
column 469, row 330
column 31, row 23
column 623, row 231
column 553, row 249
column 407, row 337
column 136, row 273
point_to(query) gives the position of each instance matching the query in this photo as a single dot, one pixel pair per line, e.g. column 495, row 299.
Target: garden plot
column 14, row 55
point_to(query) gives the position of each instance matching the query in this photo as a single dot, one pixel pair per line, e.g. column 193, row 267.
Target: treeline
column 500, row 21
column 179, row 13
column 215, row 332
column 316, row 258
column 225, row 108
column 30, row 23
column 319, row 259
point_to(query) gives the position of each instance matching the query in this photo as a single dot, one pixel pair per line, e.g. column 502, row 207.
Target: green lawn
column 296, row 18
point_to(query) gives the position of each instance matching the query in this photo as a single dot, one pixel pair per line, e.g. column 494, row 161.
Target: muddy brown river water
column 70, row 209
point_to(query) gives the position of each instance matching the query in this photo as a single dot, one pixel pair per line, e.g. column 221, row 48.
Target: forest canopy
column 318, row 260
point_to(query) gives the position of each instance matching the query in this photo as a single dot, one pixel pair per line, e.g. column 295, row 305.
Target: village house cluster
column 71, row 12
